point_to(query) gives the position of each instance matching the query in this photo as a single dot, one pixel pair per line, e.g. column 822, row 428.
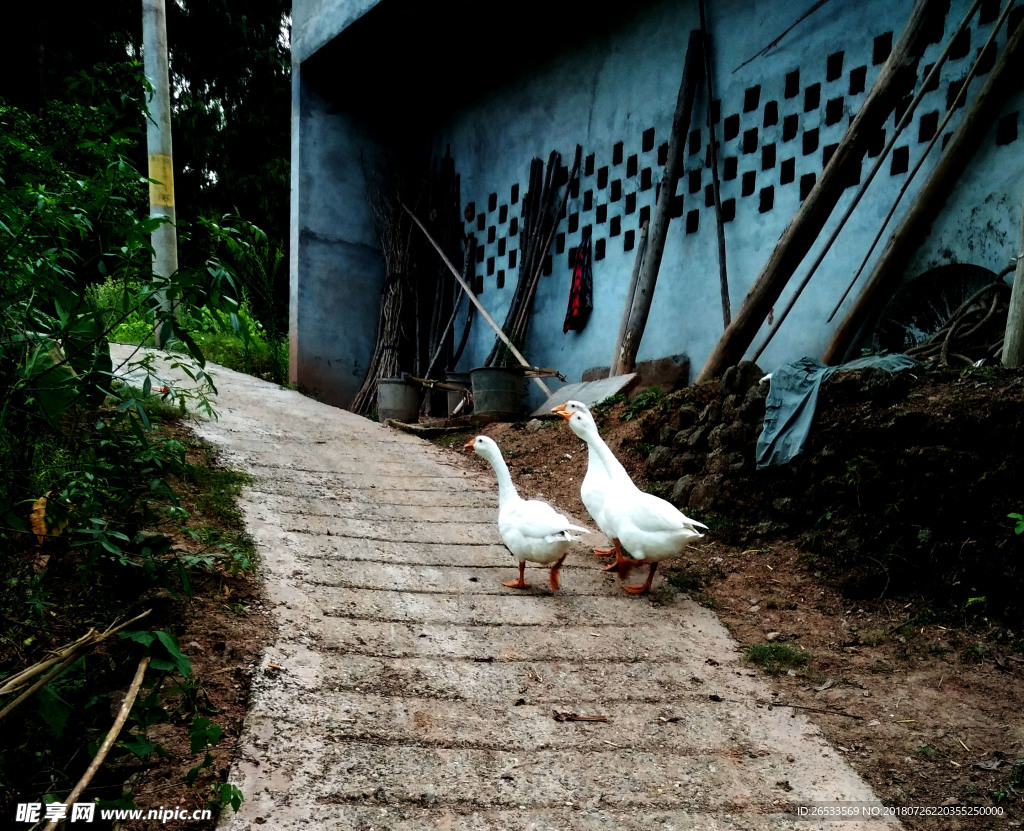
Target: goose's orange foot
column 621, row 561
column 646, row 585
column 555, row 569
column 521, row 582
column 603, row 552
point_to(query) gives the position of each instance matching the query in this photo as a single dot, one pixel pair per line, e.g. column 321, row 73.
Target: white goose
column 646, row 526
column 532, row 530
column 597, row 480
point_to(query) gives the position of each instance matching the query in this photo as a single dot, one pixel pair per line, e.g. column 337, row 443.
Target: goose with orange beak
column 532, row 530
column 649, row 528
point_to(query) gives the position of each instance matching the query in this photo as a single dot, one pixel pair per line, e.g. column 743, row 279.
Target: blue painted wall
column 613, row 91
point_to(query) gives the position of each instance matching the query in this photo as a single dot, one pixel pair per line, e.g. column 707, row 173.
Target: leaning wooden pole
column 965, row 140
column 806, row 225
column 1013, row 342
column 636, row 315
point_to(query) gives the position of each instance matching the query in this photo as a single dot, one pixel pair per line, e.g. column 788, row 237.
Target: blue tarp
column 793, row 398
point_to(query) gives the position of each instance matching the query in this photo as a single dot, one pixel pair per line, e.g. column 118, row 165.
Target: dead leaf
column 989, row 764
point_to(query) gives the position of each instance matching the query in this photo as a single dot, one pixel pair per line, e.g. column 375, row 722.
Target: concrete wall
column 611, row 84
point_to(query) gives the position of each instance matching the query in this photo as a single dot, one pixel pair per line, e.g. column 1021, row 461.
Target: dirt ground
column 926, row 707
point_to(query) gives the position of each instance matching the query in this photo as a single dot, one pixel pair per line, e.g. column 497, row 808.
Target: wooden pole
column 636, row 315
column 641, row 249
column 476, row 302
column 1004, row 78
column 804, row 228
column 1013, row 342
column 716, row 190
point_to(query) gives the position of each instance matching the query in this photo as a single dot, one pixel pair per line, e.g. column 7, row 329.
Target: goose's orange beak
column 562, row 411
column 468, row 444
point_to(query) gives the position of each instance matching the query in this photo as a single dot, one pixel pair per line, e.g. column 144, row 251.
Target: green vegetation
column 775, row 658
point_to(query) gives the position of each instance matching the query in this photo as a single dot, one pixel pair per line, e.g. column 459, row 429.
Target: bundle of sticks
column 972, row 333
column 539, row 222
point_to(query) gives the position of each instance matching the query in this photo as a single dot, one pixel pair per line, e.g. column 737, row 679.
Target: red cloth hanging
column 581, row 289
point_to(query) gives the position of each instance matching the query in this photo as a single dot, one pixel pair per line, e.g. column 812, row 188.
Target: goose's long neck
column 506, row 490
column 599, row 451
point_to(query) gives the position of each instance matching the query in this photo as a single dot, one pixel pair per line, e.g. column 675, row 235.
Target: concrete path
column 418, row 693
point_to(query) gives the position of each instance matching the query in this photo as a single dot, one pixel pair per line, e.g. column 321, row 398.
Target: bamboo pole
column 803, row 229
column 1013, row 342
column 641, row 249
column 1004, row 77
column 476, row 302
column 636, row 314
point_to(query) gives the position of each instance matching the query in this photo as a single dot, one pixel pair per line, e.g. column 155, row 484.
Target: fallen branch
column 560, row 716
column 108, row 742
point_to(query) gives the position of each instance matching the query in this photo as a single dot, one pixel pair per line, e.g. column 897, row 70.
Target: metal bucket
column 460, row 378
column 398, row 400
column 497, row 392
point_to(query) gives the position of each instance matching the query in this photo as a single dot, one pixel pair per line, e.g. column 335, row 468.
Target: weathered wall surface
column 611, row 87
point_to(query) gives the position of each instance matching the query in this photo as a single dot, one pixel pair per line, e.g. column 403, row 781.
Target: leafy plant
column 775, row 658
column 1018, row 519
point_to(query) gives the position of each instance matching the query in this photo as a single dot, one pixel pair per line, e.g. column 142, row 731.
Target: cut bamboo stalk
column 1002, row 79
column 1013, row 342
column 473, row 299
column 108, row 742
column 805, row 226
column 636, row 314
column 641, row 249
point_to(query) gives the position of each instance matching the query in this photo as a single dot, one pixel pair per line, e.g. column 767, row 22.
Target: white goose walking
column 649, row 528
column 531, row 530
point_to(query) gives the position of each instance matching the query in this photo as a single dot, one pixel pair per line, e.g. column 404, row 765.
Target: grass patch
column 776, row 658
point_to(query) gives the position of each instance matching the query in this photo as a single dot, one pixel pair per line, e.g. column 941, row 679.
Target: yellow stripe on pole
column 161, row 190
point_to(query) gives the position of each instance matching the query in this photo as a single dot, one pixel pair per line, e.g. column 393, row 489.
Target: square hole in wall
column 961, row 45
column 601, row 214
column 599, row 249
column 503, row 214
column 588, row 200
column 750, row 140
column 810, row 141
column 502, row 244
column 571, row 256
column 812, row 97
column 647, row 140
column 768, row 157
column 767, row 201
column 694, row 182
column 900, row 109
column 602, row 177
column 989, row 11
column 501, row 279
column 793, row 83
column 514, row 195
column 771, row 113
column 632, row 166
column 492, row 202
column 1006, row 130
column 952, row 91
column 616, row 190
column 573, row 222
column 630, row 203
column 749, row 183
column 617, row 150
column 877, row 143
column 490, row 266
column 927, row 126
column 986, row 60
column 574, row 188
column 787, row 173
column 728, row 210
column 645, row 179
column 694, row 142
column 858, row 78
column 751, row 98
column 729, row 167
column 588, row 166
column 676, row 206
column 513, row 226
column 470, row 211
column 790, row 127
column 731, row 128
column 628, row 240
column 807, row 185
column 546, row 271
column 709, row 196
column 512, row 256
column 615, row 226
column 716, row 111
column 645, row 214
column 491, row 234
column 827, row 154
column 933, row 84
column 692, row 221
column 834, row 111
column 480, row 253
column 852, row 173
column 481, row 222
column 834, row 66
column 561, row 175
column 559, row 243
column 663, row 153
column 900, row 160
column 881, row 47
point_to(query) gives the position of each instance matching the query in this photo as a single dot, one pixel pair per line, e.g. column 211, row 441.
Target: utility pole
column 158, row 143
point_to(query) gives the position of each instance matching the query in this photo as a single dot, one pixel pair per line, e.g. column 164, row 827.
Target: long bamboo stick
column 479, row 306
column 1013, row 342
